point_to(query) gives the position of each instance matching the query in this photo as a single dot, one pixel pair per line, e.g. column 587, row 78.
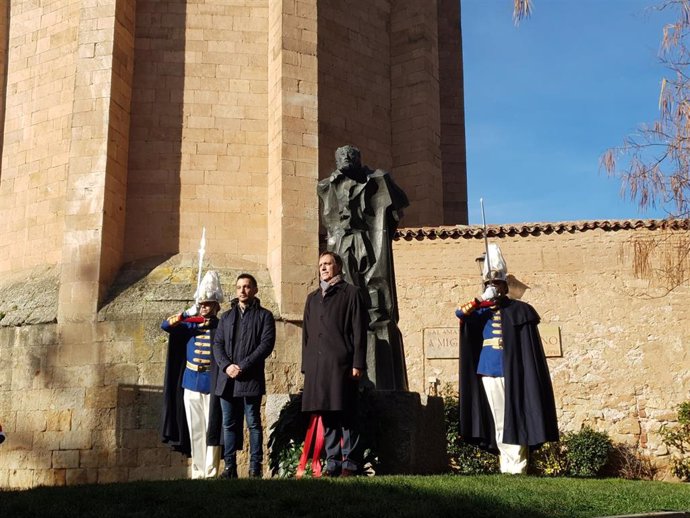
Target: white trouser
column 513, row 456
column 205, row 459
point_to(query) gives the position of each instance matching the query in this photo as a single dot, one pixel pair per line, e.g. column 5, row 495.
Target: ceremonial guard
column 506, row 397
column 191, row 413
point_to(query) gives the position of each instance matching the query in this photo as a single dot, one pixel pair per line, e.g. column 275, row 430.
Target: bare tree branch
column 654, row 164
column 521, row 10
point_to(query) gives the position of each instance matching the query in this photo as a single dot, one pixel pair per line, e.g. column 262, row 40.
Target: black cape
column 173, row 430
column 530, row 410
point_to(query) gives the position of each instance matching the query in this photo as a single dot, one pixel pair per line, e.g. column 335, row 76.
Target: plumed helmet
column 210, row 289
column 497, row 264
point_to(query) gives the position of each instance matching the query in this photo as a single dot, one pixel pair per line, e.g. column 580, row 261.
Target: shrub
column 468, row 459
column 587, row 451
column 678, row 439
column 549, row 460
column 579, row 454
column 464, row 458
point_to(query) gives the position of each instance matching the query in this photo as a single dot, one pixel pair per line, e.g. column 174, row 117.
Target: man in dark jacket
column 506, row 398
column 244, row 339
column 334, row 350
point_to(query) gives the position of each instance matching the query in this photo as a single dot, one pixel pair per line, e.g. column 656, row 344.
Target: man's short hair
column 338, row 260
column 249, row 276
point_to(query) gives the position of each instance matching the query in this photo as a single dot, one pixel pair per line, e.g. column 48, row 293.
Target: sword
column 486, row 240
column 202, row 250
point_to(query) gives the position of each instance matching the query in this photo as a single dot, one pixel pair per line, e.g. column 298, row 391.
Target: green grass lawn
column 399, row 496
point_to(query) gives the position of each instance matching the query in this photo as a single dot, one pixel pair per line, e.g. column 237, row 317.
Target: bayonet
column 202, row 251
column 486, row 241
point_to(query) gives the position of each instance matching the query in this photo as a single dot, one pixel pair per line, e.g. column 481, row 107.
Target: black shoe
column 255, row 473
column 229, row 473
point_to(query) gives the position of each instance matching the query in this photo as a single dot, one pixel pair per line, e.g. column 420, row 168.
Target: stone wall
column 354, row 81
column 390, row 83
column 129, row 126
column 78, row 413
column 41, row 66
column 89, row 412
column 293, row 149
column 199, row 139
column 450, row 75
column 624, row 361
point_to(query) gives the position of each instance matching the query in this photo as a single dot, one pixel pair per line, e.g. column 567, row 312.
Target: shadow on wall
column 354, row 85
column 130, row 274
column 137, row 436
column 62, row 432
column 138, row 408
column 516, row 288
column 154, row 168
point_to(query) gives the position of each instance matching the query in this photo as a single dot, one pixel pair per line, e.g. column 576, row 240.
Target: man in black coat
column 245, row 337
column 334, row 350
column 506, row 398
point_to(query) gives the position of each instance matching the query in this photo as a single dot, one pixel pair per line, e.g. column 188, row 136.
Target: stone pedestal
column 405, row 430
column 410, row 432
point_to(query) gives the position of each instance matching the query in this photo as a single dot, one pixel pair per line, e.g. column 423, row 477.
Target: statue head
column 348, row 158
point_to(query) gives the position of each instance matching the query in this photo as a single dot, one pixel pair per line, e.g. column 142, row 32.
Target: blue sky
column 543, row 102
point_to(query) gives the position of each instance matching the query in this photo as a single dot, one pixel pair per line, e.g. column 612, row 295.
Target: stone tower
column 129, row 125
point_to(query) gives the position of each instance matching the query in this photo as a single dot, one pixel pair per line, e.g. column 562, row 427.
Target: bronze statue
column 361, row 211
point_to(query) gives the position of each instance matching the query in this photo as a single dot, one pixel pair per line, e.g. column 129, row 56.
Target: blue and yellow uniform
column 197, row 375
column 491, row 356
column 190, row 375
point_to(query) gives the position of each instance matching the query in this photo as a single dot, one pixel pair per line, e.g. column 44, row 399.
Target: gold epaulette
column 469, row 307
column 174, row 319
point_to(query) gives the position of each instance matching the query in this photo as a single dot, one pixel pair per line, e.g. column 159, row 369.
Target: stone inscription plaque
column 551, row 340
column 442, row 342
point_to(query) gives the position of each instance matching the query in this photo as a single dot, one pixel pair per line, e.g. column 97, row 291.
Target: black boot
column 229, row 472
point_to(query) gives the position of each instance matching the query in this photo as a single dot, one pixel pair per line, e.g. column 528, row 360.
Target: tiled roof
column 535, row 229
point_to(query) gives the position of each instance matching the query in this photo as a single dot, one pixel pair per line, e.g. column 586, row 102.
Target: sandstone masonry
column 129, row 125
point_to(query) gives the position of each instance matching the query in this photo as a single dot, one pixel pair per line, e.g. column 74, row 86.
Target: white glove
column 490, row 293
column 191, row 311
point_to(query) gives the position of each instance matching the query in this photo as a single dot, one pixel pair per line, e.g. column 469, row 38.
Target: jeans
column 234, row 409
